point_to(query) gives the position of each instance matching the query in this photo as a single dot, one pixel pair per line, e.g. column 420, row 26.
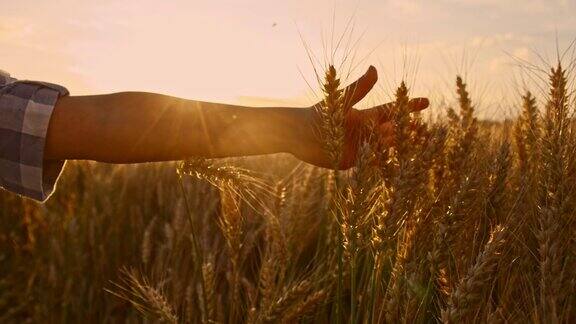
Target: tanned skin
column 134, row 127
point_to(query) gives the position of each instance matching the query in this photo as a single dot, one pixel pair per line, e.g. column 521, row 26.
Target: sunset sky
column 250, row 52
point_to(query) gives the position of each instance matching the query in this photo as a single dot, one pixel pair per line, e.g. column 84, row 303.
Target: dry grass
column 458, row 223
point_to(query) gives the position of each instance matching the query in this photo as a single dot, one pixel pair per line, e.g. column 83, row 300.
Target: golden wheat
column 453, row 224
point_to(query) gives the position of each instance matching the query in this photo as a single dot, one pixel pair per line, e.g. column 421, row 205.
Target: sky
column 253, row 52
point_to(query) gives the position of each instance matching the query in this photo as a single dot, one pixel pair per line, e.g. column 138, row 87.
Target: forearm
column 140, row 127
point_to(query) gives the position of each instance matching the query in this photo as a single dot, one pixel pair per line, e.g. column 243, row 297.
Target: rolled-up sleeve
column 25, row 111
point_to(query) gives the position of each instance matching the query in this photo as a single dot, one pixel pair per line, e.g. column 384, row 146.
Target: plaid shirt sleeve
column 25, row 110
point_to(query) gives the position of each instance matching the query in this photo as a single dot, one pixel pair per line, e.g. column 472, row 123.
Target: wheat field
column 463, row 221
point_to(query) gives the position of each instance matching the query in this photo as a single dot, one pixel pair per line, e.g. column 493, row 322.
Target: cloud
column 493, row 40
column 407, row 7
column 504, row 62
column 523, row 53
column 530, row 6
column 500, row 39
column 14, row 30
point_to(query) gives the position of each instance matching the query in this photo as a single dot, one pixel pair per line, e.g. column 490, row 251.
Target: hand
column 358, row 124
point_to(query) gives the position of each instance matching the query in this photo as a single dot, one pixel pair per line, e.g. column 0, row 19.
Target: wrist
column 296, row 130
column 305, row 142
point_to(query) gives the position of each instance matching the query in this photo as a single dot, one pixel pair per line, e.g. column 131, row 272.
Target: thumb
column 360, row 88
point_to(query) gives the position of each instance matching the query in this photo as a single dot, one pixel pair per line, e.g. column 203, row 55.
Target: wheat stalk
column 209, row 278
column 527, row 134
column 249, row 187
column 285, row 301
column 469, row 291
column 147, row 299
column 332, row 118
column 305, row 307
column 554, row 195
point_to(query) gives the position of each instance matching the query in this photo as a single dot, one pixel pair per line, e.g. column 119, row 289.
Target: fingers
column 360, row 88
column 384, row 113
column 379, row 126
column 418, row 104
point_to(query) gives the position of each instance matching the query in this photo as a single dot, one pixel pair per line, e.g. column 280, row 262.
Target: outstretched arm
column 133, row 127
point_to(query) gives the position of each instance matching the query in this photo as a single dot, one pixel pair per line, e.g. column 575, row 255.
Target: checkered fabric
column 25, row 110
